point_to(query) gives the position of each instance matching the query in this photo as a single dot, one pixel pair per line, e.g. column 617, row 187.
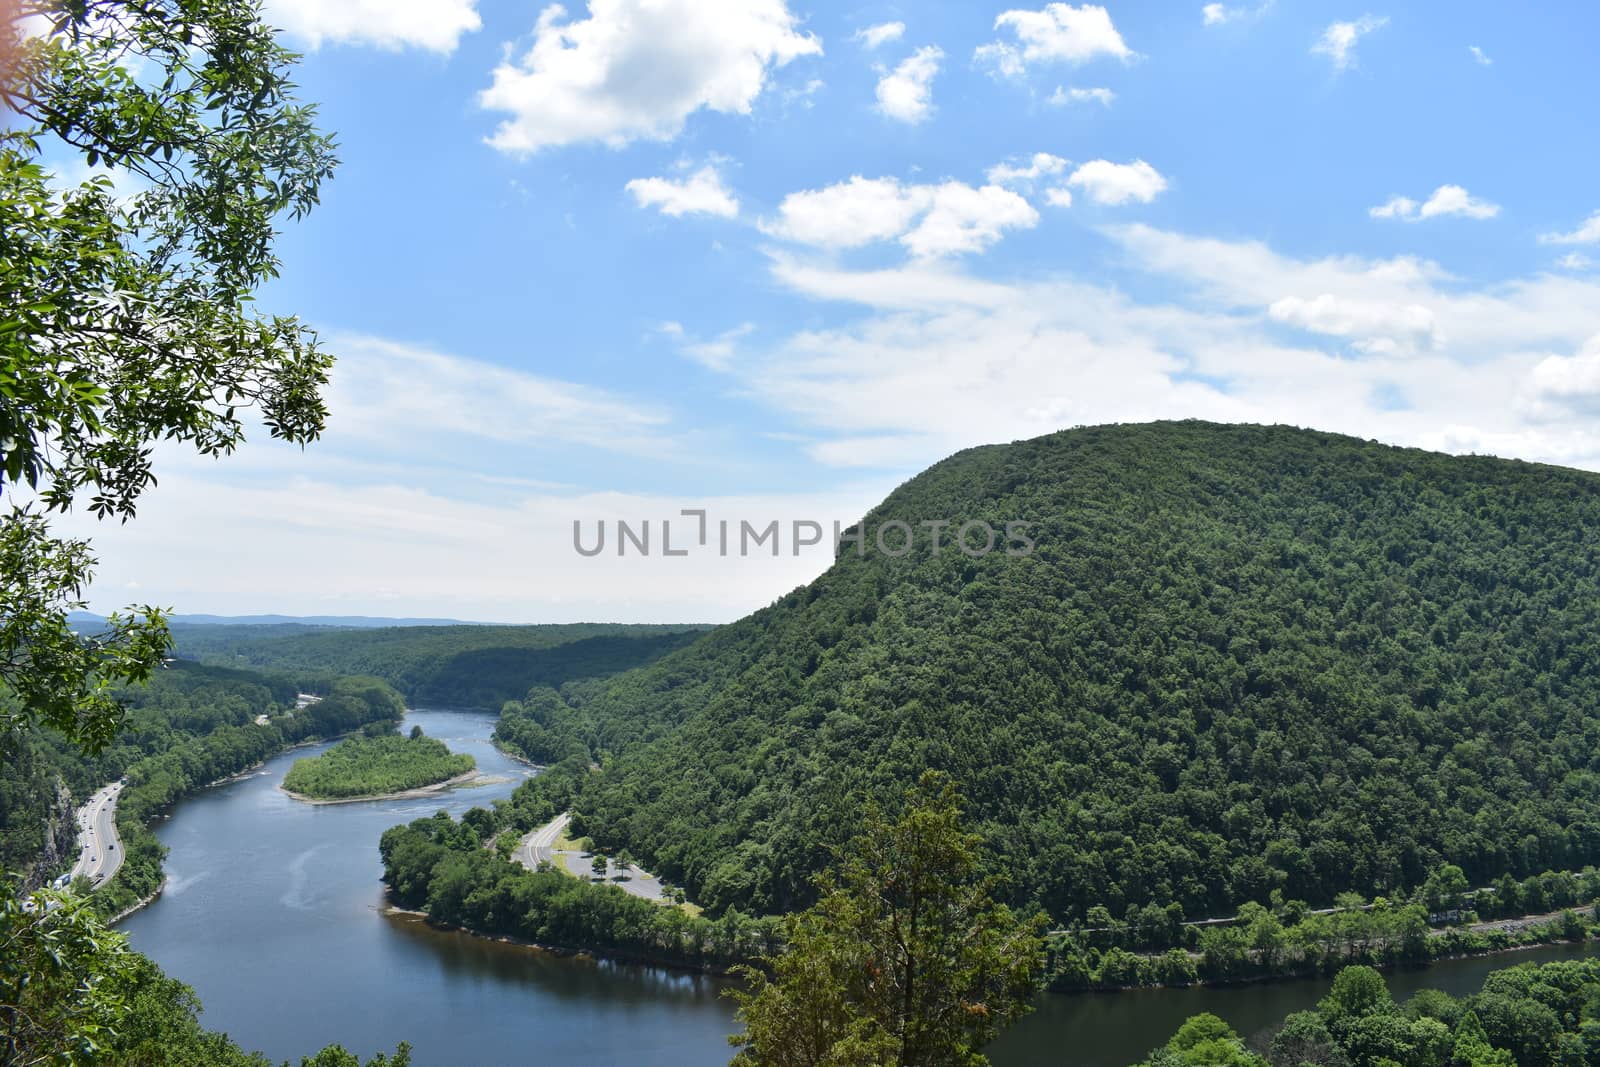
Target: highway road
column 99, row 851
column 539, row 847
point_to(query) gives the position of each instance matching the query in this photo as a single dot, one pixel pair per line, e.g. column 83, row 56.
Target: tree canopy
column 373, row 766
column 1525, row 1016
column 456, row 666
column 1240, row 660
column 148, row 151
column 905, row 960
column 126, row 313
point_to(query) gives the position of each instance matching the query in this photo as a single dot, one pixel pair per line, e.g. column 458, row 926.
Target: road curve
column 99, row 851
column 539, row 846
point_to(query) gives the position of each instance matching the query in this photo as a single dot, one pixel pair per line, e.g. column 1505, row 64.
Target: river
column 274, row 913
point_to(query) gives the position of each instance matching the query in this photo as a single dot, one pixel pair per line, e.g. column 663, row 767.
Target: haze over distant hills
column 363, row 622
column 458, row 665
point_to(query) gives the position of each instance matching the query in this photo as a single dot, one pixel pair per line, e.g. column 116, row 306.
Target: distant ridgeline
column 463, row 666
column 1239, row 660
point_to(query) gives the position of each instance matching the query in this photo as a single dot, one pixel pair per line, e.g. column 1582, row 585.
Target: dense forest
column 188, row 726
column 440, row 865
column 1526, row 1016
column 374, row 766
column 1289, row 940
column 454, row 666
column 1241, row 661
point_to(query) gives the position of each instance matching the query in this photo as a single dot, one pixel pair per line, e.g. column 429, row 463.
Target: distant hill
column 85, row 618
column 456, row 666
column 1240, row 660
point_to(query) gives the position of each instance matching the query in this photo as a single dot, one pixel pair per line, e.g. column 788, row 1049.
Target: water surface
column 274, row 913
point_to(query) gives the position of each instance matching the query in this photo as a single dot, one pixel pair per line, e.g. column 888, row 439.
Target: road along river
column 274, row 913
column 99, row 849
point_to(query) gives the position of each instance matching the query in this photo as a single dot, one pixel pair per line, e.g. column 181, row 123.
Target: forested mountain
column 1240, row 659
column 466, row 665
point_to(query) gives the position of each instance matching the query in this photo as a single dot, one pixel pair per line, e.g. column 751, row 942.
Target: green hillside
column 1241, row 659
column 461, row 666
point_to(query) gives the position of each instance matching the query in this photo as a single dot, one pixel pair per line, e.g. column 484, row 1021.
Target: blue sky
column 770, row 259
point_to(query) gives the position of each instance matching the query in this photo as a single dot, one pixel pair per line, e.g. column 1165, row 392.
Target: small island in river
column 378, row 768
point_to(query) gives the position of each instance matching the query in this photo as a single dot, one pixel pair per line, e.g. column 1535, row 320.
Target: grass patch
column 563, row 843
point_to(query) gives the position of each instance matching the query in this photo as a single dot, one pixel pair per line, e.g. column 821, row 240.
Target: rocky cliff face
column 60, row 840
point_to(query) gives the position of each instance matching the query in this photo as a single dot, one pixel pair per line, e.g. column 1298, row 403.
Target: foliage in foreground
column 1526, row 1016
column 905, row 960
column 125, row 313
column 372, row 766
column 72, row 993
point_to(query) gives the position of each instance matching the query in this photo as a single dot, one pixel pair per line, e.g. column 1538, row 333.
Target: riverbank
column 404, row 794
column 1118, row 971
column 158, row 782
column 642, row 959
column 138, row 905
column 511, row 753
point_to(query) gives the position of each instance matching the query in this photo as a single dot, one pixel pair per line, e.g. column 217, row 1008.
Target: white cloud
column 913, row 362
column 1446, row 200
column 949, row 218
column 1473, row 324
column 1338, row 41
column 1478, row 54
column 881, row 34
column 1118, row 183
column 940, row 359
column 434, row 25
column 1042, row 165
column 1454, row 200
column 963, row 219
column 906, row 93
column 638, row 69
column 1060, row 196
column 389, row 392
column 701, row 193
column 850, row 214
column 1056, row 33
column 73, row 172
column 412, row 544
column 1396, row 207
column 1220, row 14
column 1565, row 381
column 804, row 93
column 717, row 354
column 1586, row 234
column 1063, row 96
column 1375, row 321
column 1574, row 261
